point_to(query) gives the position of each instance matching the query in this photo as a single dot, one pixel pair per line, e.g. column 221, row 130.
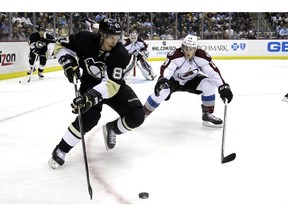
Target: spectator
column 49, row 29
column 5, row 29
column 28, row 32
column 167, row 35
column 62, row 20
column 21, row 33
column 283, row 31
column 25, row 19
column 251, row 35
column 15, row 18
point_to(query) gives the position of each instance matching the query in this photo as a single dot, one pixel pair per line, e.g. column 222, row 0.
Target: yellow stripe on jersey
column 74, row 131
column 57, row 47
column 112, row 88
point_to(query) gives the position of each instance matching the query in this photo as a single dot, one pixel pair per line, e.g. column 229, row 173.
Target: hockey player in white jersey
column 137, row 49
column 190, row 69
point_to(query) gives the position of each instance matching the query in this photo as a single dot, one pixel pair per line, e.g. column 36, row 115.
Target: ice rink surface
column 171, row 156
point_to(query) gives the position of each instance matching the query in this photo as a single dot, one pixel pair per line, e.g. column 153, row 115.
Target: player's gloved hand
column 70, row 66
column 135, row 53
column 145, row 54
column 162, row 83
column 35, row 51
column 225, row 92
column 86, row 101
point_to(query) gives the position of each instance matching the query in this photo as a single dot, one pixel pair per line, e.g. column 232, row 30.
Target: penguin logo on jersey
column 95, row 69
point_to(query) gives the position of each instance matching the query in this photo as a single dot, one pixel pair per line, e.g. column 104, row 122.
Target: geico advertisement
column 277, row 46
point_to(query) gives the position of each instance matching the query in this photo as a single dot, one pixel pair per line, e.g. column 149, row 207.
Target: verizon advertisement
column 14, row 59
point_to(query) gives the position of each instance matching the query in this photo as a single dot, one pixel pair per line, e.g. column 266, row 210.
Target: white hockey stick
column 31, row 72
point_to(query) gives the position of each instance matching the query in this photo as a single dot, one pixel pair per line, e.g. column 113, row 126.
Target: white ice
column 171, row 156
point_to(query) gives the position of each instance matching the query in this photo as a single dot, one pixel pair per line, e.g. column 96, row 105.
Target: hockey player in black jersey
column 99, row 61
column 38, row 43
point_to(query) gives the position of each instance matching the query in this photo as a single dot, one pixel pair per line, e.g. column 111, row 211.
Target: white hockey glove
column 145, row 54
column 135, row 53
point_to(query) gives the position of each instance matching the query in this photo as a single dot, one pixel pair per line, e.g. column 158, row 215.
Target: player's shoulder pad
column 120, row 55
column 177, row 53
column 140, row 39
column 203, row 54
column 127, row 41
column 85, row 35
column 34, row 36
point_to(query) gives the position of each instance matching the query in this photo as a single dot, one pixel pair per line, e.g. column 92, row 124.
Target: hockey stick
column 31, row 71
column 232, row 156
column 83, row 140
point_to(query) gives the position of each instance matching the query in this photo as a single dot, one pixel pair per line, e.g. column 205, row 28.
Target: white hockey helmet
column 190, row 41
column 133, row 36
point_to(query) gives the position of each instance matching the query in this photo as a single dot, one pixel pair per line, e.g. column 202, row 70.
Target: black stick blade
column 90, row 192
column 229, row 158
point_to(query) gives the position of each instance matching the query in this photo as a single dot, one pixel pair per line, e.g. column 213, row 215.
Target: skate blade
column 209, row 124
column 53, row 164
column 105, row 137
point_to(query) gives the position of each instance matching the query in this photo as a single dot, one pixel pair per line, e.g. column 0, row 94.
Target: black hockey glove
column 225, row 92
column 35, row 51
column 70, row 66
column 86, row 101
column 135, row 53
column 162, row 83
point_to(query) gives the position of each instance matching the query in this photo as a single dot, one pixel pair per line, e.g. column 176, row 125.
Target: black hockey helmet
column 110, row 26
column 41, row 28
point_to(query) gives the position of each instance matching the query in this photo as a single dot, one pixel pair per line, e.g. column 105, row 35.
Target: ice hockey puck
column 143, row 195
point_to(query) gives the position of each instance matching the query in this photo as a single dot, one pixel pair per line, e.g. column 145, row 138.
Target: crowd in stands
column 279, row 23
column 18, row 26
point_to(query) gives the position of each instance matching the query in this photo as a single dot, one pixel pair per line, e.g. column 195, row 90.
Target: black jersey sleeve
column 78, row 43
column 49, row 38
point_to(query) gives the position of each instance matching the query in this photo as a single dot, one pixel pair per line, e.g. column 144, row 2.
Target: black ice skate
column 58, row 158
column 40, row 74
column 29, row 72
column 285, row 99
column 109, row 136
column 209, row 119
